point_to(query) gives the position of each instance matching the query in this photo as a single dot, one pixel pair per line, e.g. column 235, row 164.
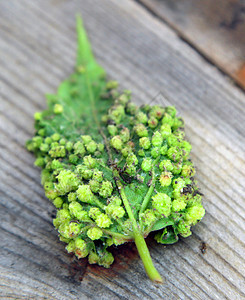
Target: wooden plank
column 37, row 51
column 215, row 28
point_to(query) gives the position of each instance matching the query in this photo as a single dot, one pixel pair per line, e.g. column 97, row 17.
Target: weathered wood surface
column 37, row 51
column 215, row 28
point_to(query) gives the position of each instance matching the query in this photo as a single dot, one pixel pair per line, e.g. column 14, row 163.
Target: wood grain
column 215, row 28
column 37, row 51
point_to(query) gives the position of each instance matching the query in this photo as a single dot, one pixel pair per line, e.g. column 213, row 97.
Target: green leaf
column 101, row 157
column 162, row 223
column 168, row 236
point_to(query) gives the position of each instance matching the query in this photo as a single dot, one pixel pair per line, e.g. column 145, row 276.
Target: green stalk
column 139, row 239
column 151, row 189
column 146, row 258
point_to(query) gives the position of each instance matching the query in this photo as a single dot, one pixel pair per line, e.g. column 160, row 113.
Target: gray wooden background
column 37, row 51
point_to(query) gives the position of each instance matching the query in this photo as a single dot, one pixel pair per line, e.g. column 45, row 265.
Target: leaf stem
column 139, row 238
column 146, row 258
column 118, row 235
column 150, row 191
column 125, row 201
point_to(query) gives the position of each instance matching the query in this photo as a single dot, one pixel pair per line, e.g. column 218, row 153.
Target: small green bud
column 100, row 147
column 93, row 258
column 173, row 141
column 188, row 171
column 145, row 143
column 112, row 129
column 75, row 207
column 156, row 112
column 171, row 110
column 106, row 259
column 152, row 122
column 81, row 248
column 98, row 175
column 91, row 147
column 110, row 85
column 48, row 140
column 86, row 139
column 178, row 205
column 155, row 152
column 116, row 142
column 89, row 161
column 55, row 137
column 164, row 150
column 175, row 153
column 94, row 186
column 132, row 159
column 141, row 117
column 72, row 197
column 115, row 211
column 165, row 178
column 63, row 215
column 180, row 134
column 39, row 162
column 79, row 148
column 84, row 172
column 166, row 165
column 73, row 158
column 38, row 116
column 195, row 213
column 186, row 146
column 94, row 212
column 58, row 202
column 126, row 150
column 167, row 119
column 132, row 108
column 85, row 194
column 37, row 141
column 178, row 122
column 165, row 130
column 117, row 113
column 148, row 218
column 178, row 183
column 106, row 189
column 123, row 99
column 146, row 164
column 69, row 146
column 58, row 109
column 161, row 204
column 125, row 135
column 82, row 216
column 177, row 167
column 127, row 226
column 58, row 151
column 74, row 229
column 44, row 147
column 141, row 130
column 184, row 228
column 94, row 233
column 103, row 221
column 42, row 132
column 62, row 142
column 141, row 152
column 71, row 246
column 157, row 139
column 130, row 170
column 67, row 182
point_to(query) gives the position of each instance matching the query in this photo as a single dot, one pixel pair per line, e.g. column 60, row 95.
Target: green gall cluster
column 113, row 170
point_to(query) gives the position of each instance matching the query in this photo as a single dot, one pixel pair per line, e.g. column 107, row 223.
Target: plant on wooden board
column 114, row 171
